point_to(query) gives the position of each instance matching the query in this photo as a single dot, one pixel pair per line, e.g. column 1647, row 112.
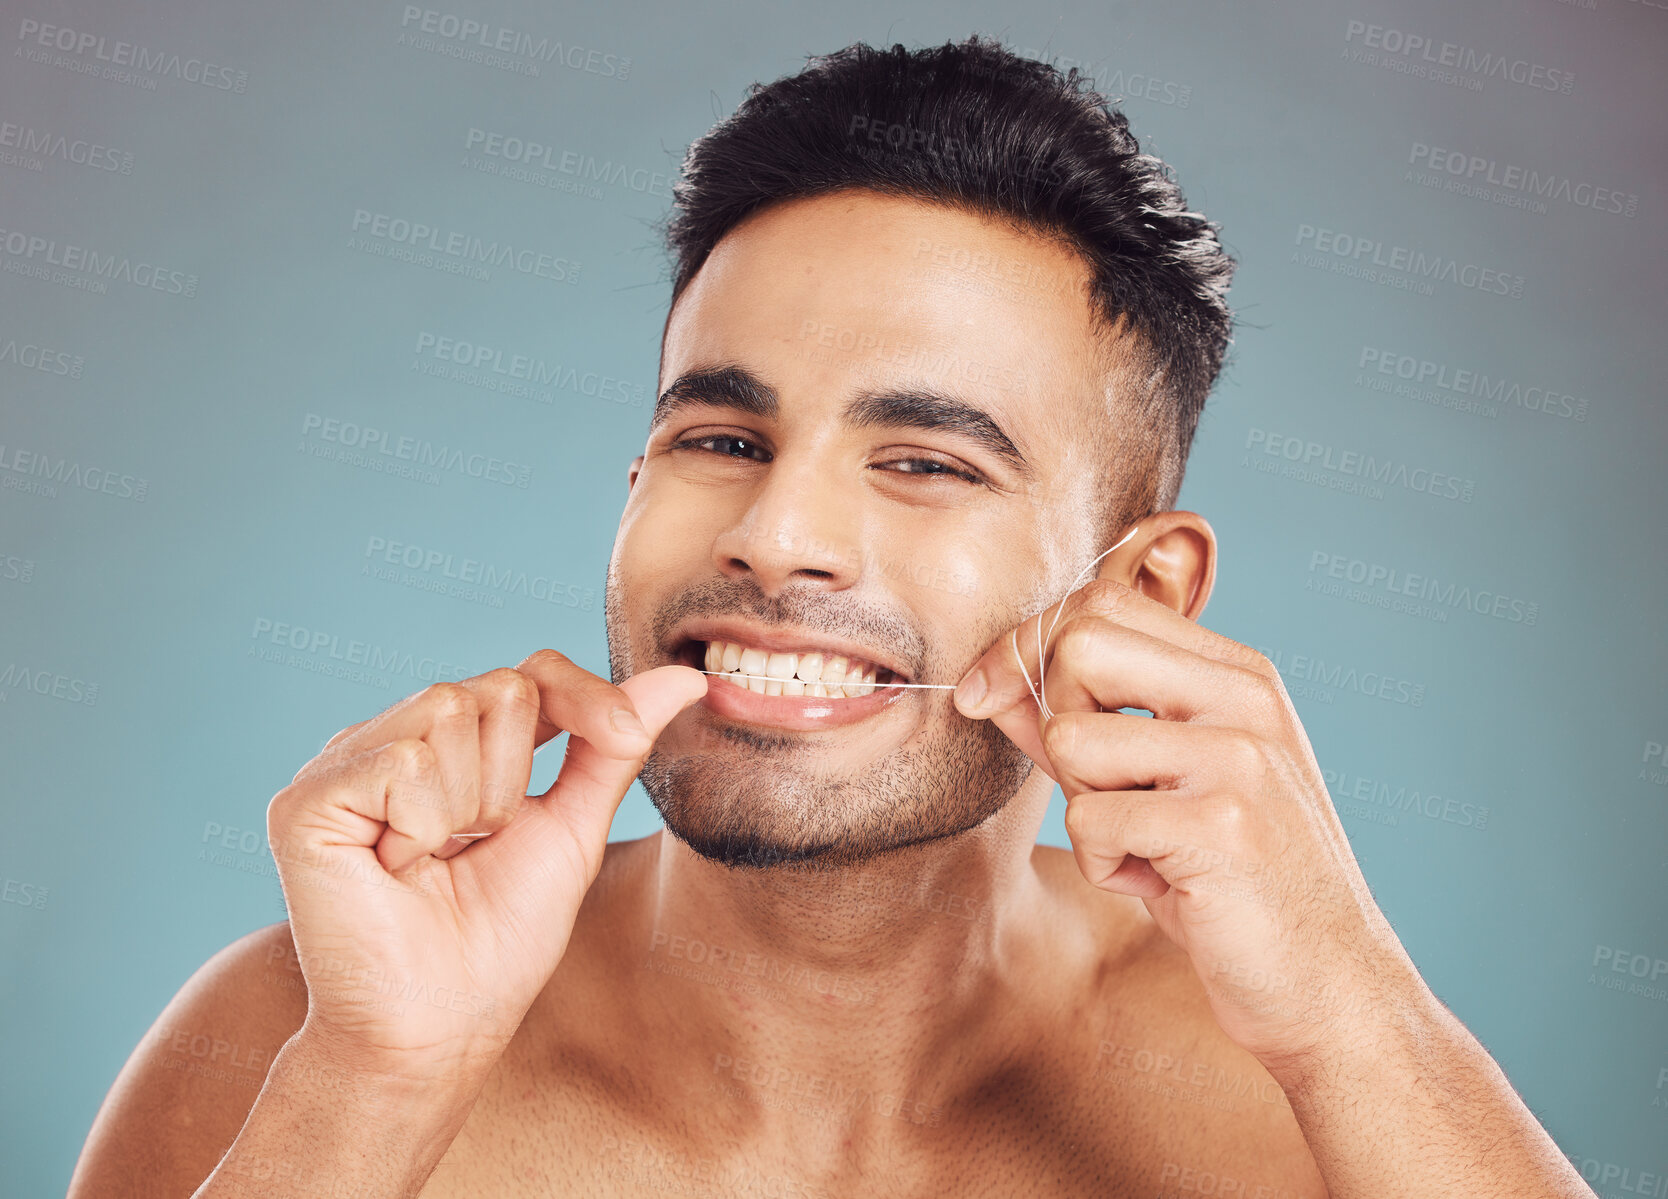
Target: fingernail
column 624, row 721
column 970, row 692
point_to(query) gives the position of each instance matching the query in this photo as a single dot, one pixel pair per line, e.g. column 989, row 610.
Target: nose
column 801, row 530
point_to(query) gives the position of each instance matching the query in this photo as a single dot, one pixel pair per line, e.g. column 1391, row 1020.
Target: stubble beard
column 755, row 799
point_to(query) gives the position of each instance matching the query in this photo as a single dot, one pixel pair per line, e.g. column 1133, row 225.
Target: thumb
column 589, row 787
column 552, row 851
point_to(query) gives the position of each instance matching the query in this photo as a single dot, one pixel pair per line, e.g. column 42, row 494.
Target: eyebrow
column 907, row 408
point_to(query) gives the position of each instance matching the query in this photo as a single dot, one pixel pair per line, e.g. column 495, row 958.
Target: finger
column 509, row 703
column 418, row 809
column 998, row 679
column 1097, row 664
column 1129, row 606
column 385, row 802
column 1116, row 751
column 574, row 700
column 571, row 699
column 1182, row 836
column 590, row 785
column 566, row 698
column 412, row 716
column 1022, row 724
column 454, row 732
column 1136, row 876
column 574, row 815
column 347, row 732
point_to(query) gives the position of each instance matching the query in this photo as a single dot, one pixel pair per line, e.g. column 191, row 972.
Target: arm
column 1215, row 814
column 318, row 1129
column 1421, row 1111
column 383, row 896
column 227, row 1086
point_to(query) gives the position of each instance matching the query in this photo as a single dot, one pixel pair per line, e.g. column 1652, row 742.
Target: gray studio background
column 201, row 292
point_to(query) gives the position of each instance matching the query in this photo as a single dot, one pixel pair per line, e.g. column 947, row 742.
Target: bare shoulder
column 185, row 1091
column 1199, row 1113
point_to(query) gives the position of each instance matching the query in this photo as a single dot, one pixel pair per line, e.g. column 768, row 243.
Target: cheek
column 658, row 540
column 967, row 593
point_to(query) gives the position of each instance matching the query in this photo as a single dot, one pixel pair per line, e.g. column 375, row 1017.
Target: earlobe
column 1178, row 567
column 631, row 472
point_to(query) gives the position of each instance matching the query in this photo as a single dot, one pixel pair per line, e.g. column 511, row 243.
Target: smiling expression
column 882, row 440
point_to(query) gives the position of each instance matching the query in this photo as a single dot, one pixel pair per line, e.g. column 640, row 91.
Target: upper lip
column 784, row 641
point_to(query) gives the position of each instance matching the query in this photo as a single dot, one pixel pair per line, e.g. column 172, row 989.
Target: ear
column 631, row 472
column 1172, row 559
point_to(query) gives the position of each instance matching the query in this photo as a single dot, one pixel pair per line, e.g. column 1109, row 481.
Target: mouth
column 788, row 681
column 812, row 673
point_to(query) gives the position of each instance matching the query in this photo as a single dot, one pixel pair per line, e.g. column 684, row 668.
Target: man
column 939, row 337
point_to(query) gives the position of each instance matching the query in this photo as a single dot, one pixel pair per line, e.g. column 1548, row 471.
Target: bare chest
column 1086, row 1136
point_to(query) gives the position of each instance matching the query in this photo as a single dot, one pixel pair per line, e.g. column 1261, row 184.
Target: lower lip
column 798, row 712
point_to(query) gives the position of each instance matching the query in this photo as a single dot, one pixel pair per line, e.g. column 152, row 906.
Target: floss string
column 1040, row 692
column 1041, row 697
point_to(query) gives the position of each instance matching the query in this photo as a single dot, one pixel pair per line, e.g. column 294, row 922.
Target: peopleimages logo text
column 1402, row 44
column 465, row 247
column 1356, row 249
column 420, row 452
column 130, row 54
column 541, row 49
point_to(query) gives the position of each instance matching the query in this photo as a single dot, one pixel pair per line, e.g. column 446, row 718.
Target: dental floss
column 1042, row 680
column 1041, row 697
column 878, row 686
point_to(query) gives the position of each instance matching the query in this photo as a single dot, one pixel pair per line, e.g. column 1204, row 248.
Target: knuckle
column 546, row 658
column 1077, row 818
column 1105, row 597
column 280, row 806
column 508, row 688
column 410, row 758
column 1081, row 637
column 1259, row 665
column 451, row 701
column 1270, row 694
column 1244, row 751
column 1060, row 735
column 1232, row 819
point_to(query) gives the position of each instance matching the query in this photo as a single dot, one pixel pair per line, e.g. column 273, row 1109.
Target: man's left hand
column 1214, row 812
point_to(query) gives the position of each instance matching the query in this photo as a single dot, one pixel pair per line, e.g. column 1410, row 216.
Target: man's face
column 880, row 445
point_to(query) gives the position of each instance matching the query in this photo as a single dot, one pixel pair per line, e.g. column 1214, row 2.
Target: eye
column 929, row 466
column 725, row 445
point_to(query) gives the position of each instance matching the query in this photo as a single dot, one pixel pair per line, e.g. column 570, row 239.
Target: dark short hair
column 977, row 127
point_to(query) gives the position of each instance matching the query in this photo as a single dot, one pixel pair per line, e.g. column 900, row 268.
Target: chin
column 768, row 815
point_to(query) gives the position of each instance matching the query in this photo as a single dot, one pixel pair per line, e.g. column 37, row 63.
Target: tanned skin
column 1199, row 998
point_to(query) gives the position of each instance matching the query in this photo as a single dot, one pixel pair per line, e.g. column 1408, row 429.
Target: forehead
column 853, row 288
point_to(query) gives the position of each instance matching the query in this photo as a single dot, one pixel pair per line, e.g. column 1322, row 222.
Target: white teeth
column 781, row 666
column 854, row 679
column 818, row 675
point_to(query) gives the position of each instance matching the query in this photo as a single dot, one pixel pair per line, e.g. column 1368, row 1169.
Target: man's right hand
column 421, row 951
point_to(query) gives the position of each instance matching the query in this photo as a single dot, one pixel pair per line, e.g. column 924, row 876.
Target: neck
column 870, row 978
